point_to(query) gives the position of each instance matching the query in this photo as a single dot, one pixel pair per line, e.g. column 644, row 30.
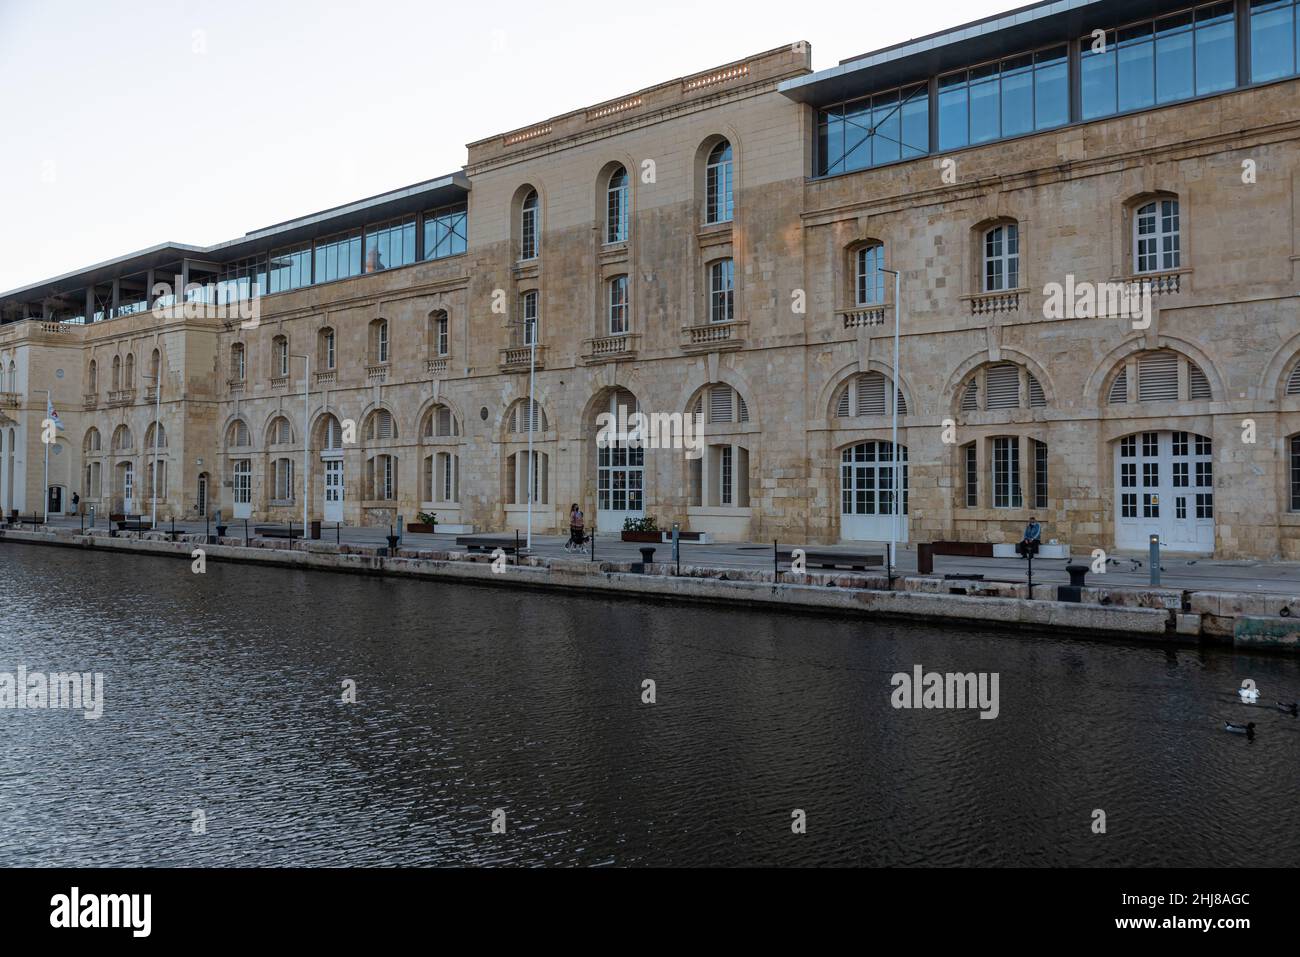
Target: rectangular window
column 284, row 479
column 1040, row 473
column 1181, row 478
column 1150, row 505
column 290, row 269
column 243, row 481
column 1128, row 505
column 444, row 335
column 1192, row 53
column 618, row 305
column 1006, row 473
column 1205, row 505
column 329, row 350
column 1274, row 32
column 722, row 280
column 530, row 317
column 390, row 246
column 1011, row 97
column 1295, row 474
column 445, row 233
column 972, row 477
column 874, row 130
column 338, row 258
column 725, row 475
column 1180, row 507
column 870, row 280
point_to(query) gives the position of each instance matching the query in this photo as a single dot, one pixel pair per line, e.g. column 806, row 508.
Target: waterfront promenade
column 1183, row 572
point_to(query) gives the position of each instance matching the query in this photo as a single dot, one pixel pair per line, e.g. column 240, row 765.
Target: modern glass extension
column 1128, row 67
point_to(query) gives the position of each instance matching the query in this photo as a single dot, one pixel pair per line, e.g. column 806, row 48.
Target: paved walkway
column 1203, row 574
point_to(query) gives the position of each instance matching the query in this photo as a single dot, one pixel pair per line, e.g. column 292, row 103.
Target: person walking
column 577, row 530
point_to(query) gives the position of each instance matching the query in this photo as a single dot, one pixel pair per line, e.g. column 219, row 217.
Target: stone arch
column 1107, row 368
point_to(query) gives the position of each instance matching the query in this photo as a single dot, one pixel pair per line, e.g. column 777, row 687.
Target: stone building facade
column 714, row 246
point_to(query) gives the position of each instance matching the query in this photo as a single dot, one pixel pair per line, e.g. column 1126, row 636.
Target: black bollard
column 516, row 546
column 338, row 533
column 245, row 533
column 776, row 561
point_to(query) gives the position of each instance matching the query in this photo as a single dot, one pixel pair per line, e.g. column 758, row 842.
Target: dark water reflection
column 222, row 694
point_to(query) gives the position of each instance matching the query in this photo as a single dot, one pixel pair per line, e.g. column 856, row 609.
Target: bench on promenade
column 131, row 523
column 479, row 544
column 276, row 531
column 857, row 561
column 926, row 552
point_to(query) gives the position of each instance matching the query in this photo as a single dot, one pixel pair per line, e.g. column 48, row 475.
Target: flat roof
column 443, row 191
column 1039, row 24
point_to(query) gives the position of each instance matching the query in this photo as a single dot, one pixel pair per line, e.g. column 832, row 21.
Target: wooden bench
column 857, row 561
column 131, row 523
column 479, row 544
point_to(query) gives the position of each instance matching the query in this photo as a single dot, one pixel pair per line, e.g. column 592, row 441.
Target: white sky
column 128, row 123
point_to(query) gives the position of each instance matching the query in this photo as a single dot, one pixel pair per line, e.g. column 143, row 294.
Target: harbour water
column 223, row 706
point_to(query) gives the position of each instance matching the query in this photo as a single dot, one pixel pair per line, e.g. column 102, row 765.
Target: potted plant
column 427, row 524
column 641, row 530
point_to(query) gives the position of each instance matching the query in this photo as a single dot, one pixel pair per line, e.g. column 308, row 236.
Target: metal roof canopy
column 444, row 191
column 1037, row 25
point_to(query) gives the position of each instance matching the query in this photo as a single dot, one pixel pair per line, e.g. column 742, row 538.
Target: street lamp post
column 896, row 505
column 45, row 486
column 157, row 434
column 306, row 437
column 530, row 333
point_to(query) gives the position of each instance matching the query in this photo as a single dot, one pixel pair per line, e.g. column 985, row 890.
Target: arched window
column 529, row 226
column 237, row 367
column 325, row 349
column 122, row 439
column 1157, row 236
column 155, row 366
column 92, row 442
column 92, row 378
column 718, row 202
column 279, row 432
column 129, row 380
column 1001, row 385
column 521, row 422
column 1001, row 258
column 155, row 433
column 440, row 423
column 117, row 374
column 867, row 394
column 616, row 305
column 616, row 206
column 331, row 434
column 238, row 436
column 869, row 281
column 1160, row 375
column 380, row 426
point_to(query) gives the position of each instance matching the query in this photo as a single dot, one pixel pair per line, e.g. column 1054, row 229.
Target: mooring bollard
column 776, row 561
column 516, row 546
column 338, row 533
column 677, row 550
column 245, row 533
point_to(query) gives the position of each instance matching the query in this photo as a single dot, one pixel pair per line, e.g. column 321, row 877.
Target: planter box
column 653, row 538
column 418, row 528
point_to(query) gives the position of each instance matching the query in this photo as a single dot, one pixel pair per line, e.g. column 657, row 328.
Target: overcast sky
column 127, row 124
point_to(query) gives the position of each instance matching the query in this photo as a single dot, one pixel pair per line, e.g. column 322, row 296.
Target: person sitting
column 1033, row 537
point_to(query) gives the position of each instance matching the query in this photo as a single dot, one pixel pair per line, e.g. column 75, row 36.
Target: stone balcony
column 279, row 383
column 9, row 400
column 377, row 372
column 860, row 317
column 90, row 401
column 121, row 397
column 611, row 348
column 436, row 366
column 328, row 377
column 151, row 394
column 518, row 358
column 715, row 336
column 997, row 303
column 1162, row 284
column 235, row 385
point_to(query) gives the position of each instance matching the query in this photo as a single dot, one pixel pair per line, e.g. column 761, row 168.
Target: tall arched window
column 122, row 439
column 529, row 226
column 92, row 378
column 117, row 373
column 1002, row 258
column 155, row 436
column 718, row 200
column 440, row 477
column 92, row 442
column 280, row 431
column 238, row 436
column 1157, row 237
column 616, row 207
column 237, row 367
column 155, row 366
column 379, row 341
column 129, row 380
column 325, row 351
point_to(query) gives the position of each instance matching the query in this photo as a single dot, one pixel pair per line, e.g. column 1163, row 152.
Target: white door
column 333, row 490
column 866, row 493
column 128, row 489
column 620, row 489
column 1164, row 485
column 243, row 489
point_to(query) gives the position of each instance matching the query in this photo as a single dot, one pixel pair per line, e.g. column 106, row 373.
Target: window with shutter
column 333, row 434
column 445, row 422
column 1002, row 382
column 1119, row 388
column 970, row 402
column 1037, row 399
column 720, row 403
column 1198, row 386
column 744, row 409
column 240, row 433
column 871, row 394
column 842, row 407
column 1293, row 383
column 1158, row 377
column 902, row 402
